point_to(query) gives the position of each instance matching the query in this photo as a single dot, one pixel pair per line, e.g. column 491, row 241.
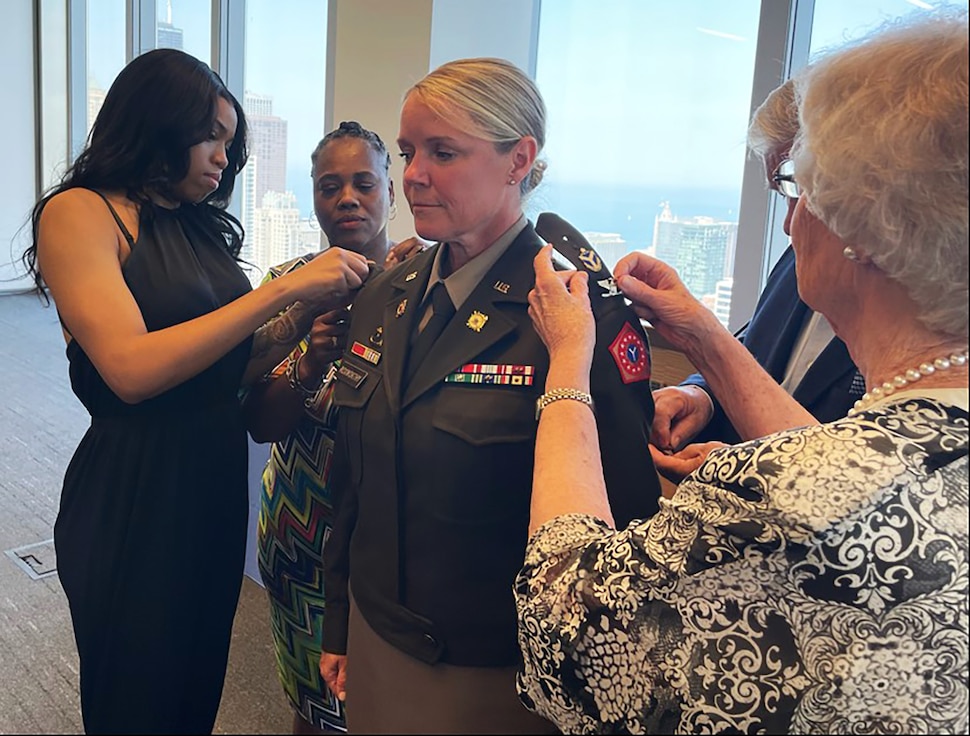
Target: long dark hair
column 160, row 105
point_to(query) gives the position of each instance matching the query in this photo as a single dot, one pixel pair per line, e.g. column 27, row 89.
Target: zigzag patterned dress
column 295, row 518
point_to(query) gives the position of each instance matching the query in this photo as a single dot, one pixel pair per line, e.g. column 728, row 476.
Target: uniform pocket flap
column 482, row 416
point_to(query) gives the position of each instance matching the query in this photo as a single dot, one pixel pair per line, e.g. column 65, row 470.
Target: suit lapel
column 782, row 333
column 831, row 365
column 507, row 283
column 401, row 312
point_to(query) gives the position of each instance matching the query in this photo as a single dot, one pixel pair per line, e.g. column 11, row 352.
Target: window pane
column 285, row 114
column 836, row 21
column 185, row 25
column 648, row 108
column 105, row 50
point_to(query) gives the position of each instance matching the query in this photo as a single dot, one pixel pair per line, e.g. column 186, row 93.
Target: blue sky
column 656, row 93
column 640, row 92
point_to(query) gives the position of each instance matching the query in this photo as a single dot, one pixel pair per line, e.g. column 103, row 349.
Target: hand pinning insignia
column 477, row 321
column 609, row 287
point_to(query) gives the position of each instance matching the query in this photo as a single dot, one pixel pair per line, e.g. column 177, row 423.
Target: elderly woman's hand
column 560, row 311
column 660, row 297
column 676, row 466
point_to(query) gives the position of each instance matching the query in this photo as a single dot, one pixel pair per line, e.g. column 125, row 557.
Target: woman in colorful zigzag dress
column 353, row 198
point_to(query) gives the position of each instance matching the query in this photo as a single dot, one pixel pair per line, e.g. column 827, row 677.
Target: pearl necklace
column 910, row 376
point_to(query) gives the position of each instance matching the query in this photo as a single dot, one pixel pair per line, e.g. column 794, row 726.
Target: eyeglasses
column 784, row 179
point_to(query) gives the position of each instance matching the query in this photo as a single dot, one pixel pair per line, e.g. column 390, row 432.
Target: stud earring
column 849, row 252
column 512, row 181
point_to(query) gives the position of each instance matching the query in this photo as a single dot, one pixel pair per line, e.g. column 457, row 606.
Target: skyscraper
column 701, row 249
column 167, row 36
column 276, row 230
column 267, row 144
column 265, row 173
column 611, row 247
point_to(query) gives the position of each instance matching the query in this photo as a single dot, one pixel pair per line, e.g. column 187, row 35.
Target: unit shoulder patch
column 631, row 355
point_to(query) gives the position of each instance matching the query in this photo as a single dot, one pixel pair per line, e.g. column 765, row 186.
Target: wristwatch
column 558, row 394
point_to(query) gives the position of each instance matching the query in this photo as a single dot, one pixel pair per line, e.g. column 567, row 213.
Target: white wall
column 18, row 185
column 377, row 49
column 507, row 29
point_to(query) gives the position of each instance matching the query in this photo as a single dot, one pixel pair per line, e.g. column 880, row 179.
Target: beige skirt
column 389, row 691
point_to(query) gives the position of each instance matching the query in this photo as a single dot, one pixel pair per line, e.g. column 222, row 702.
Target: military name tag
column 368, row 354
column 350, row 375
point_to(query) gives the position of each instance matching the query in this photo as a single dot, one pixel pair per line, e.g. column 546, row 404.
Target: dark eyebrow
column 401, row 142
column 355, row 175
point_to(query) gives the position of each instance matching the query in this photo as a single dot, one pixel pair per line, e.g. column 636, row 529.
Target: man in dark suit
column 794, row 344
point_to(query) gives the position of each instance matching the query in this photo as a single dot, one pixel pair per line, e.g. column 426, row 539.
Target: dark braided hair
column 352, row 129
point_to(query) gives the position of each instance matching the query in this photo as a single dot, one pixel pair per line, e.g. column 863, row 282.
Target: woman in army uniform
column 438, row 392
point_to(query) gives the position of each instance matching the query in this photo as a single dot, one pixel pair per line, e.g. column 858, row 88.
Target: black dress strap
column 114, row 214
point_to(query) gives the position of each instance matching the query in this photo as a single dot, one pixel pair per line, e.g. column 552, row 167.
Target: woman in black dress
column 162, row 329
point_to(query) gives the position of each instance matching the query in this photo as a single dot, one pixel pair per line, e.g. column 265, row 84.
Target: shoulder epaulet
column 571, row 243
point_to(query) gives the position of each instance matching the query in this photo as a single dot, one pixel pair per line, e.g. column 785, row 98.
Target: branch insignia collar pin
column 476, row 321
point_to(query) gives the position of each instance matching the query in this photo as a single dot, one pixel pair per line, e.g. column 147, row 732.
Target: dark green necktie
column 442, row 310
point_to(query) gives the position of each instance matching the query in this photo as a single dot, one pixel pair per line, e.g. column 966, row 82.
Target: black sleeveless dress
column 151, row 532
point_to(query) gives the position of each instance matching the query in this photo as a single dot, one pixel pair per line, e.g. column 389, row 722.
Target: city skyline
column 638, row 114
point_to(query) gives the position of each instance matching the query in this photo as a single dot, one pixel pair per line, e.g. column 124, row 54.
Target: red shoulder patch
column 630, row 353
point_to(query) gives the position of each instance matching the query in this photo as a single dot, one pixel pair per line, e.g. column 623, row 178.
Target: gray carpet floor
column 41, row 422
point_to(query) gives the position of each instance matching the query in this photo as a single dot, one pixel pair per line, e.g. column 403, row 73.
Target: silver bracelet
column 293, row 378
column 558, row 394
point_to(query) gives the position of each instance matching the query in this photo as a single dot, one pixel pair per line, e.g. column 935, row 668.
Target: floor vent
column 37, row 560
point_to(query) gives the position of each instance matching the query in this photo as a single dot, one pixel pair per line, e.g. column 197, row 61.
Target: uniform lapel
column 400, row 315
column 507, row 283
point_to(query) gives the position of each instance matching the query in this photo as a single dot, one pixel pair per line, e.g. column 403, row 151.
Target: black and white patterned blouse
column 813, row 581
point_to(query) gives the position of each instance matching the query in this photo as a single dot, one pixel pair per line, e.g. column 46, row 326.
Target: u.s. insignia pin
column 477, row 321
column 411, row 276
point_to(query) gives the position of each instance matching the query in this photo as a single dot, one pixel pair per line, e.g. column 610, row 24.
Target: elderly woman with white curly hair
column 813, row 579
